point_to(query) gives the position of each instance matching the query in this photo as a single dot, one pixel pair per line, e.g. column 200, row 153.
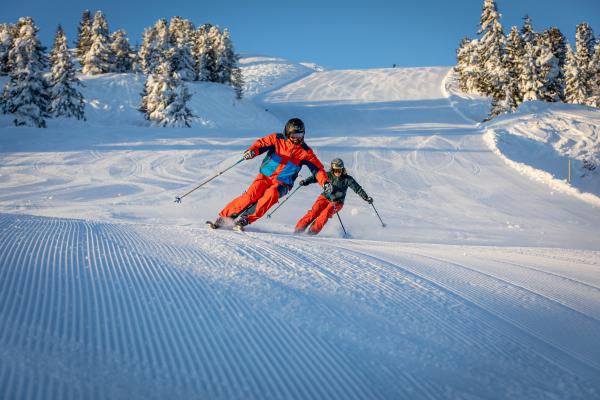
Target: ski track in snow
column 116, row 310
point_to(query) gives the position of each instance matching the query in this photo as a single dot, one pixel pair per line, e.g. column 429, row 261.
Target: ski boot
column 240, row 224
column 219, row 222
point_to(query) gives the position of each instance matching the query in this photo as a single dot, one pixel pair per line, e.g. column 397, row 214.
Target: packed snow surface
column 485, row 282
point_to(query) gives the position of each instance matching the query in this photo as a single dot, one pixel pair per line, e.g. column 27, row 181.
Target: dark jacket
column 340, row 186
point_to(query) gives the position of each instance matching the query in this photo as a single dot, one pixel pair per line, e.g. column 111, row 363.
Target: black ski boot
column 219, row 222
column 240, row 224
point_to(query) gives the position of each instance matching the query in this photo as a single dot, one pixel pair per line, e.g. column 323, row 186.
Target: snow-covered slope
column 484, row 284
column 94, row 310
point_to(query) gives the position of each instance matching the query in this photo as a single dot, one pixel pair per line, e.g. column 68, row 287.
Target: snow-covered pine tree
column 584, row 50
column 558, row 44
column 65, row 99
column 462, row 63
column 531, row 80
column 556, row 41
column 575, row 91
column 502, row 103
column 162, row 42
column 527, row 32
column 207, row 38
column 84, row 35
column 181, row 33
column 100, row 58
column 26, row 93
column 122, row 52
column 135, row 59
column 6, row 39
column 515, row 53
column 226, row 57
column 155, row 47
column 492, row 76
column 166, row 97
column 146, row 55
column 548, row 72
column 237, row 81
column 199, row 50
column 466, row 65
column 594, row 78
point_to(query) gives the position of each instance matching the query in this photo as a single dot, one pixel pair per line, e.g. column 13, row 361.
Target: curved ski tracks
column 131, row 311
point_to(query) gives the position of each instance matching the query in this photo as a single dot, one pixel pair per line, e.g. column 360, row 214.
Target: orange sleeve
column 316, row 167
column 264, row 144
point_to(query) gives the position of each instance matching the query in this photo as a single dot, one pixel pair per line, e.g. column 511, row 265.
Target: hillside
column 484, row 283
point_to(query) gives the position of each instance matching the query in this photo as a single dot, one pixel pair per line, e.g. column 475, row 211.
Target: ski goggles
column 337, row 170
column 296, row 135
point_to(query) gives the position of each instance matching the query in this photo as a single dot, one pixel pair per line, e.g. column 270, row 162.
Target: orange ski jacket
column 285, row 159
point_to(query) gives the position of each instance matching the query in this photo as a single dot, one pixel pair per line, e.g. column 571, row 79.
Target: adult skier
column 286, row 154
column 323, row 208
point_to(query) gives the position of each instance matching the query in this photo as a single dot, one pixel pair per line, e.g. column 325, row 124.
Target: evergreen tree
column 575, row 91
column 531, row 80
column 84, row 36
column 237, row 81
column 594, row 78
column 502, row 103
column 556, row 41
column 226, row 58
column 515, row 55
column 165, row 99
column 492, row 72
column 527, row 32
column 147, row 56
column 100, row 58
column 122, row 52
column 136, row 65
column 466, row 67
column 6, row 40
column 584, row 47
column 65, row 99
column 462, row 63
column 155, row 47
column 26, row 94
column 181, row 35
column 549, row 73
column 162, row 42
column 205, row 53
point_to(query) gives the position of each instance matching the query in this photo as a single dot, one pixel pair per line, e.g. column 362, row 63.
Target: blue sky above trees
column 335, row 34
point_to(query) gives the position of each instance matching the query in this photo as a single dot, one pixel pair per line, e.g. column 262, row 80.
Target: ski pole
column 382, row 224
column 280, row 204
column 338, row 215
column 178, row 198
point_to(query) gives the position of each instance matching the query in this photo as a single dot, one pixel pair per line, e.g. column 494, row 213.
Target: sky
column 335, row 34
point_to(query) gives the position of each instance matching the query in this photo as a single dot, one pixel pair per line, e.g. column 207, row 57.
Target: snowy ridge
column 492, row 138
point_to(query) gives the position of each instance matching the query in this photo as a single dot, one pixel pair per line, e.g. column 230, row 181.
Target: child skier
column 323, row 208
column 286, row 154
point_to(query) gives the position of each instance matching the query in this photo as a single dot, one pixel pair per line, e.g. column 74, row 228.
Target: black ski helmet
column 337, row 163
column 294, row 125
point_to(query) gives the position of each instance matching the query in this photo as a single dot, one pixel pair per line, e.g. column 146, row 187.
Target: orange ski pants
column 264, row 191
column 318, row 215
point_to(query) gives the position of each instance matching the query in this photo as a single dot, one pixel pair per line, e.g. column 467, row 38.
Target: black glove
column 249, row 154
column 327, row 188
column 369, row 199
column 303, row 183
